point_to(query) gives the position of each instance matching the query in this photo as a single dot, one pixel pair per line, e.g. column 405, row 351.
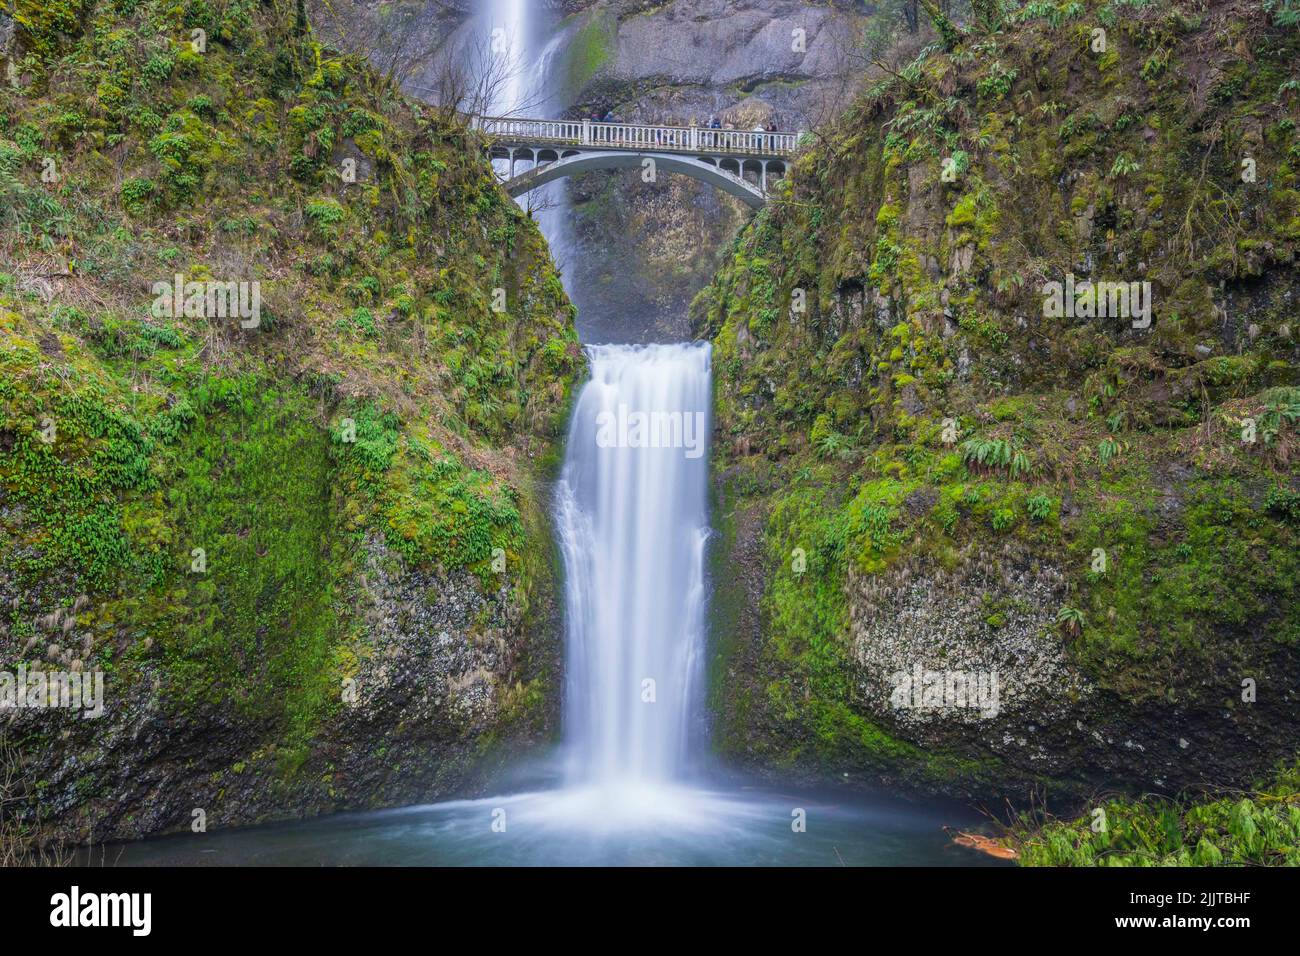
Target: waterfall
column 521, row 83
column 632, row 516
column 507, row 38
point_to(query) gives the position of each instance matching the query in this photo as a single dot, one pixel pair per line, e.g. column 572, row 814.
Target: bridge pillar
column 763, row 178
column 586, row 131
column 695, row 135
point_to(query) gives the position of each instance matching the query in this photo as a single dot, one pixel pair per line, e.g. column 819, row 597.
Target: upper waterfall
column 507, row 36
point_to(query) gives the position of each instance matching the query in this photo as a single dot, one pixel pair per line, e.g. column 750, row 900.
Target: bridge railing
column 681, row 139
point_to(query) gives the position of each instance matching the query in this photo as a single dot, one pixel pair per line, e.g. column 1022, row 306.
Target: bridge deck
column 742, row 144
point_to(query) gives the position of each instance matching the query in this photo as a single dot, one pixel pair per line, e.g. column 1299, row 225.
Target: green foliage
column 1039, row 507
column 361, row 320
column 1284, row 502
column 1260, row 829
column 828, row 442
column 1124, row 165
column 1071, row 619
column 324, row 214
column 136, row 193
column 1110, row 448
column 997, row 454
column 997, row 81
column 1002, row 519
column 443, row 513
column 1281, row 408
column 1286, row 13
column 70, row 485
column 371, row 440
column 245, row 483
column 47, row 22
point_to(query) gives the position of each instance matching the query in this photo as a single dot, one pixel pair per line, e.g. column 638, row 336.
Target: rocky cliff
column 757, row 61
column 302, row 535
column 992, row 522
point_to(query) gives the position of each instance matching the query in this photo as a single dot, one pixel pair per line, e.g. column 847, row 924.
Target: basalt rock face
column 307, row 552
column 715, row 44
column 748, row 63
column 6, row 32
column 926, row 468
column 420, row 714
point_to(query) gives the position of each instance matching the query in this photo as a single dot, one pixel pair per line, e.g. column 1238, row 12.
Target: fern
column 1071, row 619
column 997, row 454
column 1110, row 448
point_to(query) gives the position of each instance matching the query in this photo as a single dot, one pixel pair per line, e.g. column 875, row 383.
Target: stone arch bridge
column 742, row 163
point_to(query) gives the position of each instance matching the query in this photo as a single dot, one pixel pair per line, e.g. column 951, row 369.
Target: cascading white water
column 520, row 82
column 633, row 519
column 507, row 39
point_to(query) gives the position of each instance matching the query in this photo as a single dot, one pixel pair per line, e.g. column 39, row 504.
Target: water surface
column 673, row 825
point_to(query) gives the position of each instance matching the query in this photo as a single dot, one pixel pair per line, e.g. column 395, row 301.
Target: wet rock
column 436, row 666
column 987, row 616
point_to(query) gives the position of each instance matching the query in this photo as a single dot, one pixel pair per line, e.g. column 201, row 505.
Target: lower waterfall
column 632, row 517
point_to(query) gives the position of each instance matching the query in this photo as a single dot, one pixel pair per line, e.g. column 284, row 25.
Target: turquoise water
column 732, row 825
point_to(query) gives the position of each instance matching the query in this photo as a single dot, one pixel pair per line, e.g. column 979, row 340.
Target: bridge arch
column 726, row 174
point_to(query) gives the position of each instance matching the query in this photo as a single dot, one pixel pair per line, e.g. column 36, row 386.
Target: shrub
column 135, row 194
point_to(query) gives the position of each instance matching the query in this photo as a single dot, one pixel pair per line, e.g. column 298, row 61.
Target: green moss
column 926, row 306
column 588, row 49
column 191, row 442
column 248, row 481
column 1227, row 568
column 439, row 511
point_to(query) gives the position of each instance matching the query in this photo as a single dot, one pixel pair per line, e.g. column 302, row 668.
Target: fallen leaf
column 985, row 845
